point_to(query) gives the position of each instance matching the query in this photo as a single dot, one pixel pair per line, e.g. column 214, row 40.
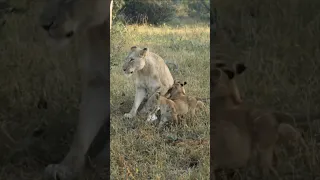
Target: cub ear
column 229, row 73
column 240, row 68
column 185, row 83
column 215, row 74
column 133, row 48
column 144, row 52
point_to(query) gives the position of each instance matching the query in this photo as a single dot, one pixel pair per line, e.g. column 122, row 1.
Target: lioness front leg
column 140, row 95
column 93, row 114
column 152, row 116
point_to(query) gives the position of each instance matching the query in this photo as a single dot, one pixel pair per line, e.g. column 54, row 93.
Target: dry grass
column 138, row 151
column 279, row 42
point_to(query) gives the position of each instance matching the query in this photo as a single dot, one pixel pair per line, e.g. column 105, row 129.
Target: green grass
column 137, row 149
column 33, row 137
column 279, row 42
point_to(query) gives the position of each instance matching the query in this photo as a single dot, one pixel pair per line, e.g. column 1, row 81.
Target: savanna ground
column 138, row 150
column 279, row 42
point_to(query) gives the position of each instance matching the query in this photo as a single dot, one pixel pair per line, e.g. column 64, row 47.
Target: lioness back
column 162, row 70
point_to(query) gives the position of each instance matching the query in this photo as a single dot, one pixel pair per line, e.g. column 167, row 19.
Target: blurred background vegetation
column 158, row 12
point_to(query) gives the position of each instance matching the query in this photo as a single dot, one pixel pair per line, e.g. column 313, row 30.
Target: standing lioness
column 150, row 74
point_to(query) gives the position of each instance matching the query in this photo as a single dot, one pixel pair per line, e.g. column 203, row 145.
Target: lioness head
column 176, row 88
column 61, row 19
column 223, row 84
column 135, row 61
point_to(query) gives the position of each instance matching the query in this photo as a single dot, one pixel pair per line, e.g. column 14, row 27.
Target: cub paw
column 128, row 115
column 59, row 172
column 151, row 118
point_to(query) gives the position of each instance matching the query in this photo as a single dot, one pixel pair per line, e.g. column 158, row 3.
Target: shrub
column 117, row 5
column 199, row 9
column 151, row 11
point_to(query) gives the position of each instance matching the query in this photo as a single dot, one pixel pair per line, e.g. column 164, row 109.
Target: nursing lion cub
column 239, row 130
column 173, row 104
column 150, row 73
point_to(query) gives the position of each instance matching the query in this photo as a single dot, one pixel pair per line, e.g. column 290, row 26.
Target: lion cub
column 239, row 130
column 184, row 103
column 173, row 104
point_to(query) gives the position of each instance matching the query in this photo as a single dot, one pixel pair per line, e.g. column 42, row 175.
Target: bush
column 198, row 9
column 117, row 5
column 151, row 11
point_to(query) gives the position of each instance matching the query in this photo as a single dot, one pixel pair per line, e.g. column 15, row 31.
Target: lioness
column 62, row 19
column 150, row 73
column 241, row 130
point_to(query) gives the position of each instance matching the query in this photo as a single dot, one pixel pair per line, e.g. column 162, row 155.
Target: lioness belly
column 151, row 85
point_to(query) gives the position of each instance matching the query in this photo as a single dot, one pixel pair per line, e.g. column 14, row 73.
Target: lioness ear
column 133, row 48
column 215, row 74
column 229, row 73
column 240, row 68
column 144, row 52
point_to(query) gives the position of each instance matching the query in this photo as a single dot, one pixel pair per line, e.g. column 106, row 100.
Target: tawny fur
column 175, row 103
column 150, row 73
column 166, row 106
column 241, row 130
column 62, row 20
column 184, row 103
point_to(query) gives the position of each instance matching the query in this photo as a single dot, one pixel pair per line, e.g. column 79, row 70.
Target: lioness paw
column 58, row 172
column 128, row 115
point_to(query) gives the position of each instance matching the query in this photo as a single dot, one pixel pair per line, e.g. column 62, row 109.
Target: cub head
column 135, row 61
column 223, row 83
column 176, row 89
column 61, row 19
column 238, row 68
